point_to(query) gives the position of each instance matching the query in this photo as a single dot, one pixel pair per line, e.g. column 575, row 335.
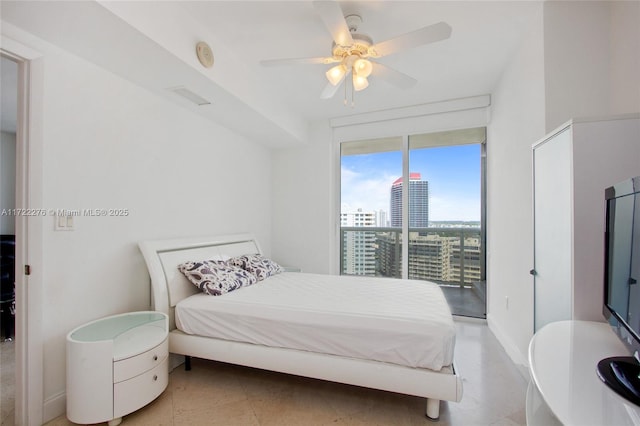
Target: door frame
column 29, row 369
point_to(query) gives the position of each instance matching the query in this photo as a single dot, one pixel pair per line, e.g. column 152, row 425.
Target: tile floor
column 7, row 379
column 221, row 394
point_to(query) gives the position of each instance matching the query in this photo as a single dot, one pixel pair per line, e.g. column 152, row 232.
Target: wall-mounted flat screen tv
column 621, row 288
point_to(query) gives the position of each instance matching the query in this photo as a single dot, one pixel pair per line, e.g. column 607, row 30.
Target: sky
column 453, row 173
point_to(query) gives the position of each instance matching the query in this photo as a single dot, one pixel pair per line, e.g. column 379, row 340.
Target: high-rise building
column 418, row 202
column 429, row 256
column 469, row 261
column 383, row 222
column 358, row 218
column 358, row 247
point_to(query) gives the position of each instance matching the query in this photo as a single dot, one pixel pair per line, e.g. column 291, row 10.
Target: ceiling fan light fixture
column 336, row 74
column 351, row 51
column 363, row 67
column 359, row 82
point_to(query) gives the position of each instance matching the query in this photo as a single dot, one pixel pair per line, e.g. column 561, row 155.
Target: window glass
column 422, row 220
column 368, row 170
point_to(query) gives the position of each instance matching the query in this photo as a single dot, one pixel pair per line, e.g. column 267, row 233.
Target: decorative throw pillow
column 216, row 277
column 258, row 265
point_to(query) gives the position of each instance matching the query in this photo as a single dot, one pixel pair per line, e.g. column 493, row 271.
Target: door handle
column 533, row 272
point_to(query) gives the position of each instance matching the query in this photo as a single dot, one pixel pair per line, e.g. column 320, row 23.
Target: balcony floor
column 464, row 301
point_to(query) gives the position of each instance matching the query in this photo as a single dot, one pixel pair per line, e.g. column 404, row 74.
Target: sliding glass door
column 412, row 207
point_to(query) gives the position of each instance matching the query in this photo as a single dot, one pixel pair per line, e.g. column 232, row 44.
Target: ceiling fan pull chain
column 353, row 96
column 353, row 91
column 345, row 92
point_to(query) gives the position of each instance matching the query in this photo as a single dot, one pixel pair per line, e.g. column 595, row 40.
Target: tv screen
column 621, row 287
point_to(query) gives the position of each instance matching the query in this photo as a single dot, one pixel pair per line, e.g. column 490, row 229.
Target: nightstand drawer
column 136, row 365
column 134, row 393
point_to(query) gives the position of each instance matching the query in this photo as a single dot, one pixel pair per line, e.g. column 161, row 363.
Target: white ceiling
column 470, row 63
column 280, row 101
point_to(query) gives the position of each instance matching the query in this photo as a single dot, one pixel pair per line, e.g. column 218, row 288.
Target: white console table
column 116, row 365
column 565, row 387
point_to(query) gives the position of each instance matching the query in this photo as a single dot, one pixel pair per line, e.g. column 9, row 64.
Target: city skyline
column 453, row 173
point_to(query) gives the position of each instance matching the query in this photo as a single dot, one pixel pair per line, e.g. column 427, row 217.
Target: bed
column 392, row 335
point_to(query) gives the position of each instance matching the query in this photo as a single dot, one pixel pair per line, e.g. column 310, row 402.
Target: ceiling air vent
column 188, row 94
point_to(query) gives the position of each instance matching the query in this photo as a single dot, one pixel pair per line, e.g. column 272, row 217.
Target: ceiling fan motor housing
column 360, row 47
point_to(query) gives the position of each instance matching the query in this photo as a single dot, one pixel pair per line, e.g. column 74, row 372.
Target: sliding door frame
column 471, row 136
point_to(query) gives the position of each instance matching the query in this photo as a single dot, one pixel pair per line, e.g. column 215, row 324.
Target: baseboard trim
column 518, row 358
column 54, row 406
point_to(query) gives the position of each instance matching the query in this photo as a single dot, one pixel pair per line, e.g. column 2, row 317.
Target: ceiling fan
column 353, row 51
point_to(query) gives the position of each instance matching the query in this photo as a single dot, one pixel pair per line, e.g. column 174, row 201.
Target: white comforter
column 403, row 322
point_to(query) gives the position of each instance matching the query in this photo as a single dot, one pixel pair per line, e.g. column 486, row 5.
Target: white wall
column 7, row 181
column 110, row 144
column 517, row 122
column 604, row 154
column 303, row 210
column 576, row 60
column 8, row 82
column 592, row 59
column 625, row 56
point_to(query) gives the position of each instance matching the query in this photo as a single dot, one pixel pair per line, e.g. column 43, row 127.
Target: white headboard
column 168, row 285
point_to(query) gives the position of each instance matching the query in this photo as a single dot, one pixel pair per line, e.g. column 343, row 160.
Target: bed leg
column 433, row 409
column 187, row 363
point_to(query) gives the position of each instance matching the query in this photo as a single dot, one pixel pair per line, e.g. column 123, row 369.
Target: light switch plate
column 63, row 223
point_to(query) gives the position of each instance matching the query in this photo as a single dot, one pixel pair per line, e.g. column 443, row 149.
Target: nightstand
column 116, row 365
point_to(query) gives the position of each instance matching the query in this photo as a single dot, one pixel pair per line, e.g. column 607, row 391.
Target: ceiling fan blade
column 426, row 35
column 333, row 19
column 330, row 90
column 296, row 61
column 392, row 76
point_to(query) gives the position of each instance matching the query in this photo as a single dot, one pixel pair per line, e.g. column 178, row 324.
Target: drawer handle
column 155, row 357
column 155, row 377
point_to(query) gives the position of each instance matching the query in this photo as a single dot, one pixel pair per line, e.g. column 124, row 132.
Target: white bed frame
column 169, row 286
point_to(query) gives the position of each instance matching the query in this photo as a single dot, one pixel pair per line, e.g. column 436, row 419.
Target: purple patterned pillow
column 216, row 277
column 257, row 265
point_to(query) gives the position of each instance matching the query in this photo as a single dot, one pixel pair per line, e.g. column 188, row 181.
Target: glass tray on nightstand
column 131, row 333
